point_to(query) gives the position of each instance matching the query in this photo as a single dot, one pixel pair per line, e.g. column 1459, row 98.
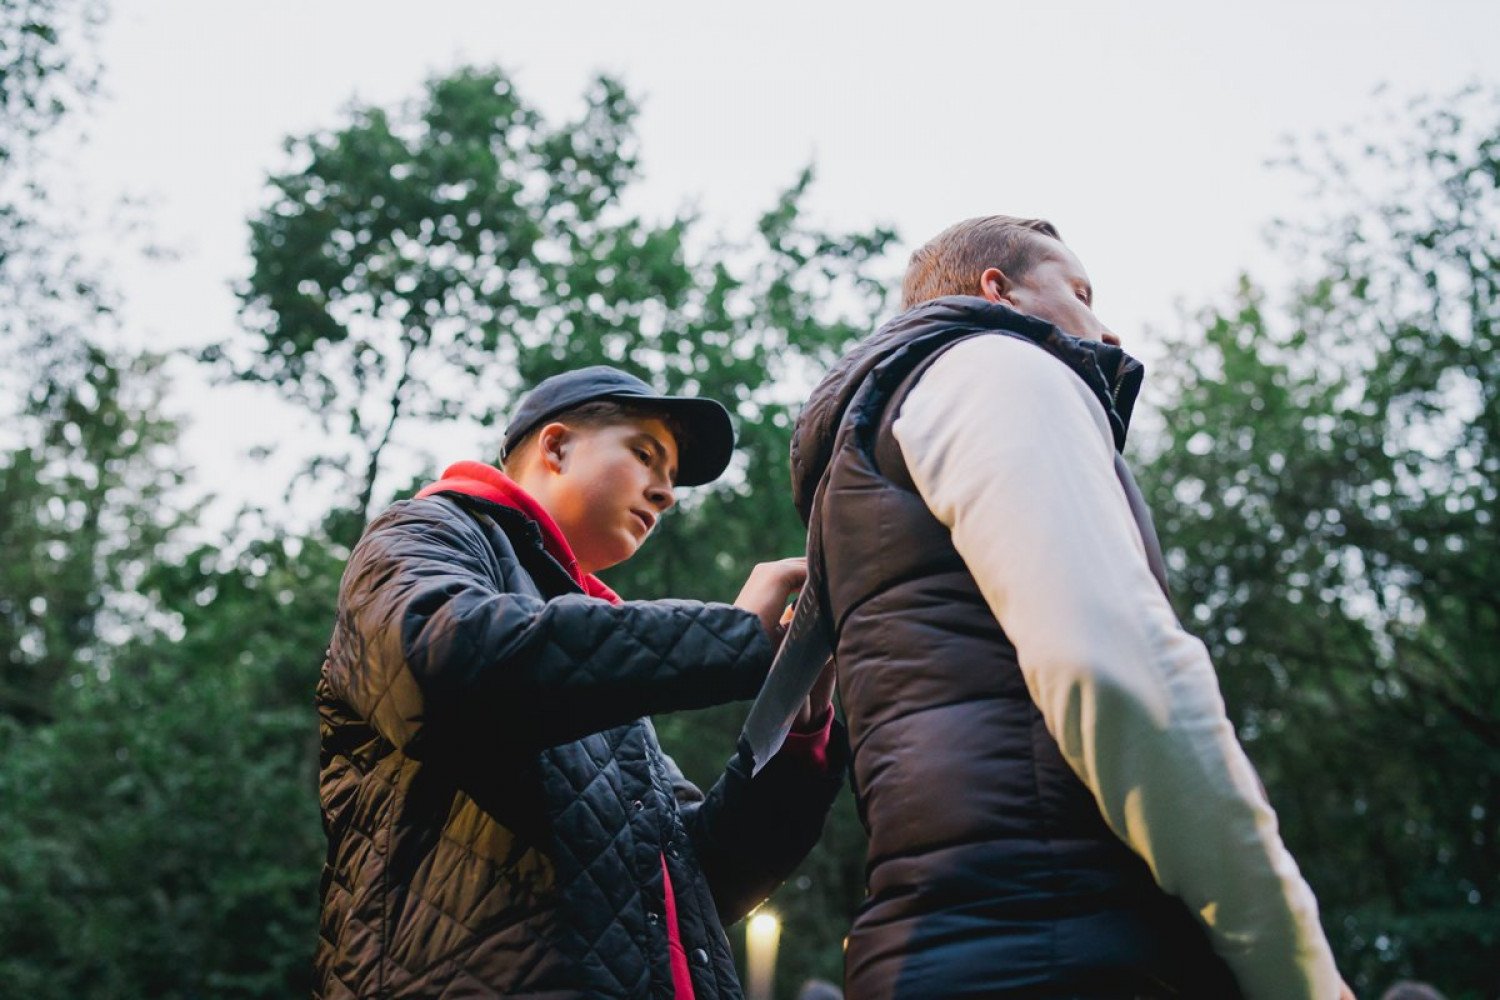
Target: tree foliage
column 161, row 837
column 83, row 451
column 426, row 264
column 47, row 73
column 1328, row 486
column 157, row 836
column 82, row 518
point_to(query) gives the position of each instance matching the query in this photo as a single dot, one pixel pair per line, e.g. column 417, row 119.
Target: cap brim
column 706, row 442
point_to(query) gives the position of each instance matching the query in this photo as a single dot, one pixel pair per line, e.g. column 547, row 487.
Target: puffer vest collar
column 1112, row 376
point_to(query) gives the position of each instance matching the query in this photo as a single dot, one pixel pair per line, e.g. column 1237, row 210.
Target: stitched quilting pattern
column 512, row 861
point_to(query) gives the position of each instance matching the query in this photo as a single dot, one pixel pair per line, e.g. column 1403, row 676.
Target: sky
column 1142, row 130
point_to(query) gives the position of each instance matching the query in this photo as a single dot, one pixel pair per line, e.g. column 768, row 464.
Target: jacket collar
column 1113, row 376
column 485, row 482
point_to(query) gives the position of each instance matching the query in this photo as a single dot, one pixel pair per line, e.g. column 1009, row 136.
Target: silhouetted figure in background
column 1409, row 990
column 819, row 989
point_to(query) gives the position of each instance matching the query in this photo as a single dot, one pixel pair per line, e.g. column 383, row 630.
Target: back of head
column 1409, row 990
column 951, row 262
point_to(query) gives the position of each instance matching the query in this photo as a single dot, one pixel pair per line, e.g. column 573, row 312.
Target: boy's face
column 1056, row 289
column 612, row 484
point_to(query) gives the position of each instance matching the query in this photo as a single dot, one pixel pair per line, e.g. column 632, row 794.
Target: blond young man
column 1057, row 804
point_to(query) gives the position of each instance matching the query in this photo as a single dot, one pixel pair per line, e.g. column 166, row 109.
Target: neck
column 538, row 486
column 533, row 484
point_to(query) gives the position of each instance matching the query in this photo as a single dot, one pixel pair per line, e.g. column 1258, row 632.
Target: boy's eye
column 643, row 455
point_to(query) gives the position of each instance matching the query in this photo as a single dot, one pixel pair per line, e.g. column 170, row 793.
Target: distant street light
column 762, row 935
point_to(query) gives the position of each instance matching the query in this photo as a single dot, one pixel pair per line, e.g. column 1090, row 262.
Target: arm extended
column 439, row 643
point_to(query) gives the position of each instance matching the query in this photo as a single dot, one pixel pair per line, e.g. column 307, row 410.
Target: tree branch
column 372, row 468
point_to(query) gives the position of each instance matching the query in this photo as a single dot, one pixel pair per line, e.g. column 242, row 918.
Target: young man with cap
column 501, row 820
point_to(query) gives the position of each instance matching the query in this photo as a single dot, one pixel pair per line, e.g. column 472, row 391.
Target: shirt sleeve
column 1011, row 452
column 810, row 745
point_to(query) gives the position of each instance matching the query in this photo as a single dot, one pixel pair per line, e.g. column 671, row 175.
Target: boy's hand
column 766, row 592
column 819, row 701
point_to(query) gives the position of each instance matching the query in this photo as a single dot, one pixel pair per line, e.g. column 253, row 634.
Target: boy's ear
column 553, row 442
column 994, row 286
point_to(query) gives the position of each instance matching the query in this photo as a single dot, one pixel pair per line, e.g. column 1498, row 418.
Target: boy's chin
column 626, row 548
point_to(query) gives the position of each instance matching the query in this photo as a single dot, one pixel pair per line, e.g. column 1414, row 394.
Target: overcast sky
column 1141, row 129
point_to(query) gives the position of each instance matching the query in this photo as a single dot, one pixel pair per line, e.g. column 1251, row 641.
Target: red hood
column 476, row 479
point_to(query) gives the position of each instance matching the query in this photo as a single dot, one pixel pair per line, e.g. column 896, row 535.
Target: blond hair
column 951, row 262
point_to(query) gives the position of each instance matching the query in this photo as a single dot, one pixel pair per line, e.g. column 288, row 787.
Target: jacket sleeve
column 1011, row 453
column 437, row 648
column 750, row 833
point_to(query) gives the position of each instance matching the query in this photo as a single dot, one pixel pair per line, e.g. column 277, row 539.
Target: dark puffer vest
column 498, row 811
column 991, row 872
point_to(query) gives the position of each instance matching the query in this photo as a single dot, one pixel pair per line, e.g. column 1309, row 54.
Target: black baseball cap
column 703, row 448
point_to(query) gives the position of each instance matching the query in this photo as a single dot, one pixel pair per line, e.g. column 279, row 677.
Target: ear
column 994, row 286
column 553, row 443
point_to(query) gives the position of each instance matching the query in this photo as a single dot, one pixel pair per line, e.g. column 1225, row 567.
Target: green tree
column 427, row 264
column 1327, row 487
column 81, row 520
column 161, row 838
column 422, row 266
column 46, row 69
column 47, row 73
column 158, row 837
column 81, row 472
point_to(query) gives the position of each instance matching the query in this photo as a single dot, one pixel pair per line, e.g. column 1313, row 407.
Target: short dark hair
column 951, row 262
column 598, row 413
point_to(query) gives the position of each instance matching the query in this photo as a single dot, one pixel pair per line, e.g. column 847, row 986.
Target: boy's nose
column 661, row 497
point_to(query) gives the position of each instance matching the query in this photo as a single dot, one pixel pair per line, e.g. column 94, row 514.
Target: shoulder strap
column 1144, row 524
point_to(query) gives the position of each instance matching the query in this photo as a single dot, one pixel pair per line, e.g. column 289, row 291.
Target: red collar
column 476, row 479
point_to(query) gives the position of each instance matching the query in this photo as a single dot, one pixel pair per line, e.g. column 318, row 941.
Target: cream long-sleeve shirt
column 1010, row 450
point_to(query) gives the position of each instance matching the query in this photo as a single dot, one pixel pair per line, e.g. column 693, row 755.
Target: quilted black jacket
column 496, row 806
